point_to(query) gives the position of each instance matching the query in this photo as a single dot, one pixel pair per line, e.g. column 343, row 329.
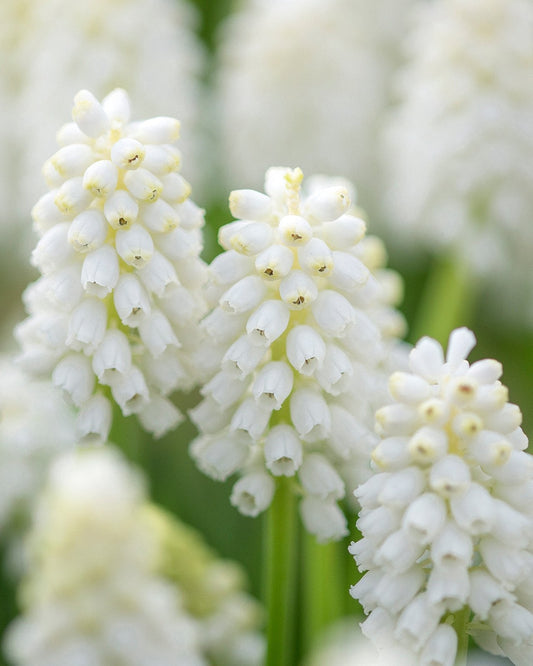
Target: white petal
column 127, row 153
column 319, row 478
column 130, row 391
column 283, row 451
column 87, row 325
column 87, row 231
column 250, row 205
column 158, row 216
column 242, row 357
column 101, row 178
column 221, row 456
column 310, row 415
column 253, row 493
column 89, row 114
column 156, row 130
column 143, row 185
column 294, row 230
column 112, row 355
column 275, row 262
column 134, row 245
column 94, row 419
column 74, row 375
column 315, row 258
column 157, row 333
column 328, row 203
column 251, row 417
column 244, row 295
column 121, row 210
column 158, row 276
column 131, row 300
column 306, row 349
column 272, row 385
column 100, row 271
column 160, row 416
column 298, row 290
column 268, row 322
column 460, row 344
column 332, row 312
column 323, row 519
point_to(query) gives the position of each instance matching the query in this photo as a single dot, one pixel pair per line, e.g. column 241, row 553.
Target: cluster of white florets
column 459, row 152
column 447, row 522
column 35, row 426
column 119, row 295
column 302, row 324
column 91, row 596
column 50, row 50
column 214, row 593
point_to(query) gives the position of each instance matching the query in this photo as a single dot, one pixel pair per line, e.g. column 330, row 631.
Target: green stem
column 323, row 586
column 447, row 301
column 460, row 622
column 280, row 568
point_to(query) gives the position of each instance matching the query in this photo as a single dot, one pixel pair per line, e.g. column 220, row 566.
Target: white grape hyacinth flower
column 458, row 148
column 303, row 323
column 91, row 595
column 316, row 100
column 120, row 293
column 50, row 50
column 447, row 519
column 35, row 427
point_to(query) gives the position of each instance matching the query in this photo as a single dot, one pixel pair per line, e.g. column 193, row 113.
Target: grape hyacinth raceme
column 35, row 427
column 213, row 592
column 119, row 296
column 92, row 595
column 302, row 326
column 459, row 146
column 447, row 518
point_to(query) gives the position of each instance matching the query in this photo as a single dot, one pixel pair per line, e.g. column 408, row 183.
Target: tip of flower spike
column 89, row 114
column 460, row 344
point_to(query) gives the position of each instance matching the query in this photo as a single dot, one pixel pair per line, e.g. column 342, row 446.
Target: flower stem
column 322, row 587
column 280, row 568
column 460, row 621
column 447, row 301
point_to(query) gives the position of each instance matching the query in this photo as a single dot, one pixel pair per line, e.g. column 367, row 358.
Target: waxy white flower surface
column 317, row 75
column 447, row 520
column 294, row 347
column 91, row 595
column 35, row 426
column 459, row 146
column 119, row 296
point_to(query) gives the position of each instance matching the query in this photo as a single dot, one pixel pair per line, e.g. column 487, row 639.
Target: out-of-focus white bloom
column 459, row 148
column 444, row 523
column 50, row 50
column 119, row 296
column 343, row 645
column 213, row 593
column 316, row 74
column 35, row 426
column 91, row 595
column 295, row 347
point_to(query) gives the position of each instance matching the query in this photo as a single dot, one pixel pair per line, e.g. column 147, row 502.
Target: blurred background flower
column 305, row 83
column 458, row 148
column 112, row 580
